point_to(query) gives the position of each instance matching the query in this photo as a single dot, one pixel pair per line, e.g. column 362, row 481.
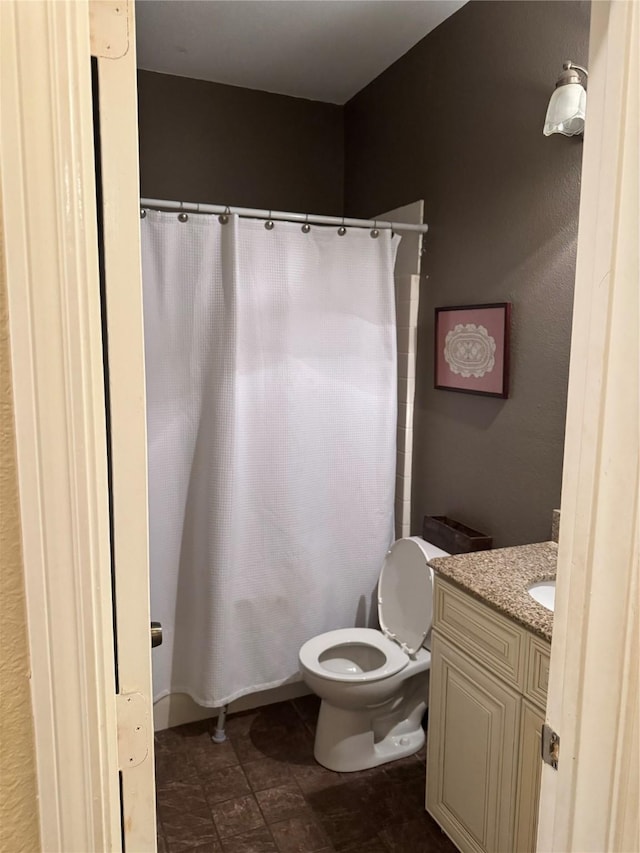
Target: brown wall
column 458, row 121
column 209, row 142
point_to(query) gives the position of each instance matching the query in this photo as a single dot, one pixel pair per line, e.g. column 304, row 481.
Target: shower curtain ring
column 143, row 213
column 224, row 217
column 342, row 230
column 306, row 227
column 269, row 223
column 374, row 231
column 183, row 217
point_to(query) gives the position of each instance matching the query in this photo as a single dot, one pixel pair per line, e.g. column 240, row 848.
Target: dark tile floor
column 262, row 792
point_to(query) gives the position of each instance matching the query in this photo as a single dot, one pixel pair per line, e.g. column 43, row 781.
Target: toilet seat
column 404, row 611
column 405, row 592
column 313, row 649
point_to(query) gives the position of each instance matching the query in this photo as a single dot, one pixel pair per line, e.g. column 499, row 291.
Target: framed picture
column 472, row 349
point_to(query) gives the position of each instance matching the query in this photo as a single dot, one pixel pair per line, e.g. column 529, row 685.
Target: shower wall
column 209, row 142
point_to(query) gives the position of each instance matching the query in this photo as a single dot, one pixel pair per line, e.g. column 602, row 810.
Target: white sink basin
column 544, row 593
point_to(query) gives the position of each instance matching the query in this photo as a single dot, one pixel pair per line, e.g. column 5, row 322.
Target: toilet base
column 349, row 740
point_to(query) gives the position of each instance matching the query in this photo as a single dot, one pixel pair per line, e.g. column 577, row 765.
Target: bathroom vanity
column 490, row 664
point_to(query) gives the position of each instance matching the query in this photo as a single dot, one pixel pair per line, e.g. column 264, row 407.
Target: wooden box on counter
column 452, row 536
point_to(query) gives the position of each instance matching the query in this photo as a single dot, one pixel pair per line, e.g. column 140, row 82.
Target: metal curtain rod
column 256, row 213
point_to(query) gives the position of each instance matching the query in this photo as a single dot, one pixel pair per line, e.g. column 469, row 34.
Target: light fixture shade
column 566, row 111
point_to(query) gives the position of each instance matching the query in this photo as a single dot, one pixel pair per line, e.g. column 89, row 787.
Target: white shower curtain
column 271, row 397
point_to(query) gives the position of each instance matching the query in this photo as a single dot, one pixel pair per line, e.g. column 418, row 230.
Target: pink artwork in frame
column 472, row 349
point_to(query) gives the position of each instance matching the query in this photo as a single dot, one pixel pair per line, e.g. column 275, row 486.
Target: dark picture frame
column 472, row 344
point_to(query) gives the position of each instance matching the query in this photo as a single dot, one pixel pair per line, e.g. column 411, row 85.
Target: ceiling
column 325, row 50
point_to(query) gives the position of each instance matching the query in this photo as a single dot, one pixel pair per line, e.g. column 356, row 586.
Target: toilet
column 374, row 683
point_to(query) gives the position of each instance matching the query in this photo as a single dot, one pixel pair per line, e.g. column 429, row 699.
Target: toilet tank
column 405, row 593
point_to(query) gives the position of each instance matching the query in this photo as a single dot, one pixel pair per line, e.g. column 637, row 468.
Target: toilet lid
column 405, row 592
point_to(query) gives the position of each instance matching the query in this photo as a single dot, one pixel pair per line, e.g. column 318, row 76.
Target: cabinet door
column 529, row 772
column 472, row 752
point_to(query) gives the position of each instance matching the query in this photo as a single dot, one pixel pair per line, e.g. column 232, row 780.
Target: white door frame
column 52, row 270
column 113, row 42
column 591, row 802
column 84, row 733
column 48, row 199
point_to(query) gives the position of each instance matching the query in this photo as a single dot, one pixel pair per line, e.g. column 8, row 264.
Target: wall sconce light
column 568, row 103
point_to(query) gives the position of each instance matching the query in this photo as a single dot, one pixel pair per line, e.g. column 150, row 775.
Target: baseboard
column 178, row 708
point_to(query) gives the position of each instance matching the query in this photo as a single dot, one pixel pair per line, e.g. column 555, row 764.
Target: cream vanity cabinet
column 488, row 693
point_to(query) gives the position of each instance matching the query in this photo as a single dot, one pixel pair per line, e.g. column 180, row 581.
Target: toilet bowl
column 374, row 683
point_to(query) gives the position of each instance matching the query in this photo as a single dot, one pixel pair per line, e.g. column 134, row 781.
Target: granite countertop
column 500, row 578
